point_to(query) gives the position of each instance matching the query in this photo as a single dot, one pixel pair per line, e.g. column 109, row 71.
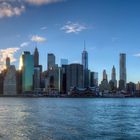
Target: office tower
column 122, row 82
column 10, row 86
column 85, row 67
column 63, row 79
column 51, row 61
column 113, row 77
column 64, row 62
column 52, row 81
column 131, row 88
column 19, row 81
column 104, row 86
column 27, row 67
column 104, row 75
column 36, row 57
column 74, row 74
column 7, row 62
column 93, row 79
column 37, row 78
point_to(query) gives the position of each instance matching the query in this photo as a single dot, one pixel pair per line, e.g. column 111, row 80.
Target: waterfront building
column 27, row 67
column 74, row 76
column 36, row 57
column 131, row 88
column 10, row 86
column 123, row 76
column 52, row 81
column 19, row 81
column 63, row 79
column 93, row 79
column 64, row 61
column 51, row 61
column 85, row 67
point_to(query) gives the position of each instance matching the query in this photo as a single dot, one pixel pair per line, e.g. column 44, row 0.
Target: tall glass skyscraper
column 85, row 59
column 27, row 67
column 122, row 83
column 85, row 67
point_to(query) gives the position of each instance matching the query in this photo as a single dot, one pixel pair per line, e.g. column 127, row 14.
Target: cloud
column 73, row 27
column 137, row 55
column 38, row 39
column 24, row 44
column 43, row 28
column 41, row 2
column 9, row 10
column 8, row 52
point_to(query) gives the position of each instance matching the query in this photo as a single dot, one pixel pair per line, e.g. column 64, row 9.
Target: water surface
column 69, row 119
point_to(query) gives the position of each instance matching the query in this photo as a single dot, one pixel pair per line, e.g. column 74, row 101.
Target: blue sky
column 109, row 27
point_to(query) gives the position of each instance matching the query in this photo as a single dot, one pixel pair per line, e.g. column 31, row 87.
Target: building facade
column 10, row 85
column 123, row 78
column 27, row 67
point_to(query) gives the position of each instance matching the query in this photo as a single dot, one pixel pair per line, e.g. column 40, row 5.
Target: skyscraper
column 74, row 74
column 7, row 62
column 36, row 57
column 113, row 77
column 51, row 61
column 122, row 82
column 85, row 59
column 104, row 75
column 27, row 67
column 10, row 86
column 85, row 67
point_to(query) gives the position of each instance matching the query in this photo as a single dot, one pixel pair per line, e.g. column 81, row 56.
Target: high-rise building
column 7, row 62
column 113, row 77
column 52, row 81
column 74, row 74
column 27, row 67
column 51, row 61
column 85, row 67
column 64, row 61
column 104, row 75
column 36, row 57
column 104, row 86
column 93, row 79
column 122, row 82
column 10, row 86
column 37, row 78
column 85, row 59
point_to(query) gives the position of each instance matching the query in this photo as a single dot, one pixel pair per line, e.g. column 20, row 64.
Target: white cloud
column 43, row 28
column 41, row 2
column 38, row 39
column 73, row 27
column 137, row 55
column 24, row 44
column 8, row 52
column 9, row 10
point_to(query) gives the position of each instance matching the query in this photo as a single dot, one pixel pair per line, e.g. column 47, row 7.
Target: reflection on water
column 69, row 119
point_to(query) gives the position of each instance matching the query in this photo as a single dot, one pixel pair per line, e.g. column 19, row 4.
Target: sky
column 108, row 27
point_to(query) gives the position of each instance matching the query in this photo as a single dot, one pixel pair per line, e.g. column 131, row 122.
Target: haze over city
column 60, row 26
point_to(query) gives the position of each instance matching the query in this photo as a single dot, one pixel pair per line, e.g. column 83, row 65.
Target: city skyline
column 109, row 28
